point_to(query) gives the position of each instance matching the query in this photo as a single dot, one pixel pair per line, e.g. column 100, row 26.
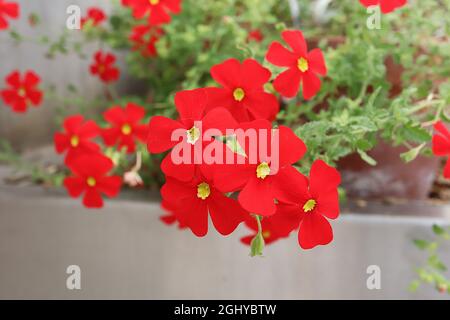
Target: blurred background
column 395, row 216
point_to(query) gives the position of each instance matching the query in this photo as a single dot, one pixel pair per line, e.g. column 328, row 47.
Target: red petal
column 72, row 123
column 109, row 185
column 182, row 172
column 134, row 113
column 158, row 16
column 288, row 82
column 314, row 230
column 441, row 146
column 173, row 5
column 280, row 56
column 191, row 103
column 13, row 79
column 447, row 169
column 323, row 178
column 75, row 186
column 115, row 115
column 61, row 142
column 220, row 119
column 232, row 177
column 311, row 85
column 92, row 199
column 227, row 73
column 317, row 62
column 295, row 39
column 257, row 196
column 226, row 213
column 253, row 74
column 31, row 79
column 262, row 105
column 291, row 147
column 328, row 204
column 160, row 132
column 290, row 186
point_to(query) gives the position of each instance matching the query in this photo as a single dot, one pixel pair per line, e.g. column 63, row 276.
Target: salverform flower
column 441, row 145
column 242, row 92
column 76, row 138
column 22, row 92
column 144, row 38
column 104, row 67
column 313, row 201
column 386, row 6
column 8, row 10
column 125, row 127
column 257, row 178
column 192, row 202
column 303, row 66
column 90, row 177
column 191, row 106
column 156, row 10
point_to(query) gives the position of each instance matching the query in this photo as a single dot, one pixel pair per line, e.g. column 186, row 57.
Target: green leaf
column 421, row 244
column 412, row 154
column 436, row 263
column 367, row 158
column 414, row 285
column 415, row 133
column 438, row 230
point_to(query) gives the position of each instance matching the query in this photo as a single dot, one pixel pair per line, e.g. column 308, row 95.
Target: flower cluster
column 84, row 157
column 257, row 182
column 22, row 91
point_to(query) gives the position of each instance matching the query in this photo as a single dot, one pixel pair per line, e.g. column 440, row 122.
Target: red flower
column 158, row 10
column 125, row 126
column 144, row 38
column 191, row 106
column 386, row 6
column 194, row 199
column 8, row 10
column 95, row 15
column 303, row 66
column 275, row 227
column 313, row 201
column 103, row 66
column 255, row 35
column 242, row 91
column 22, row 92
column 259, row 184
column 441, row 145
column 77, row 138
column 89, row 176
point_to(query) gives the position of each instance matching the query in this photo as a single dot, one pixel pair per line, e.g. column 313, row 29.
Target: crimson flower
column 242, row 91
column 386, row 6
column 313, row 201
column 275, row 227
column 8, row 10
column 22, row 93
column 441, row 145
column 194, row 199
column 89, row 176
column 303, row 66
column 255, row 35
column 103, row 66
column 191, row 106
column 157, row 10
column 144, row 38
column 76, row 139
column 260, row 184
column 125, row 126
column 95, row 15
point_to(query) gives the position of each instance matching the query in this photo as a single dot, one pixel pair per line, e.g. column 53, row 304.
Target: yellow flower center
column 91, row 182
column 126, row 129
column 74, row 141
column 309, row 205
column 101, row 68
column 302, row 64
column 153, row 2
column 203, row 190
column 239, row 94
column 22, row 92
column 266, row 234
column 193, row 135
column 263, row 170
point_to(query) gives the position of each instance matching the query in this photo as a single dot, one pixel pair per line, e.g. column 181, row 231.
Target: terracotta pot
column 391, row 177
